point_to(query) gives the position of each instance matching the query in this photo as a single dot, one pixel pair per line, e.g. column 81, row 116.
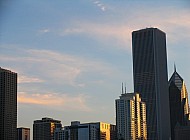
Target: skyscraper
column 44, row 129
column 8, row 105
column 131, row 117
column 150, row 79
column 179, row 106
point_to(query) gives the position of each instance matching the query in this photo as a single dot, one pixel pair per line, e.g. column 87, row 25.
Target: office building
column 131, row 117
column 44, row 129
column 179, row 106
column 23, row 133
column 151, row 79
column 8, row 105
column 86, row 131
column 105, row 131
column 59, row 134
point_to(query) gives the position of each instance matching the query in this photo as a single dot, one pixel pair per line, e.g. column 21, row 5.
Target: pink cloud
column 56, row 101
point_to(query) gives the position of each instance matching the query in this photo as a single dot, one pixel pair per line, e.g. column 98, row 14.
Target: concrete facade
column 23, row 133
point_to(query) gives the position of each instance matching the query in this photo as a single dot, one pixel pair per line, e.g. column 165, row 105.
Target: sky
column 71, row 56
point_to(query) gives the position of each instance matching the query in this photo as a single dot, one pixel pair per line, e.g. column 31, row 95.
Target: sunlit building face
column 44, row 129
column 131, row 117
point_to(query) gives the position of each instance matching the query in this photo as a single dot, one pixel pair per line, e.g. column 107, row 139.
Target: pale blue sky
column 72, row 55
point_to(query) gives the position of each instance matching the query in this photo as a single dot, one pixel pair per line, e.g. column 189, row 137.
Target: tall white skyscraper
column 131, row 117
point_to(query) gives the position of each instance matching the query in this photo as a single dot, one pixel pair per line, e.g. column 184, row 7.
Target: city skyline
column 71, row 57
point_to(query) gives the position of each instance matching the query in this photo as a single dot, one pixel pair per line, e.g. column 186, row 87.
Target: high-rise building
column 44, row 129
column 86, row 131
column 23, row 133
column 131, row 117
column 179, row 106
column 151, row 79
column 8, row 105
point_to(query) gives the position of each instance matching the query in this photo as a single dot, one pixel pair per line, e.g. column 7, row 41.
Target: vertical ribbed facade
column 150, row 79
column 8, row 105
column 131, row 117
column 143, row 120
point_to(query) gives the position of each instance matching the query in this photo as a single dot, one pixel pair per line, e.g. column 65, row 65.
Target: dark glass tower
column 179, row 106
column 8, row 105
column 151, row 79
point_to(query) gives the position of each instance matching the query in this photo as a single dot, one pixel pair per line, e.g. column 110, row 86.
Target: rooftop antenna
column 125, row 88
column 122, row 88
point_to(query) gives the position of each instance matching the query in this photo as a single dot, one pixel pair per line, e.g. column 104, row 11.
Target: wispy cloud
column 28, row 79
column 43, row 31
column 121, row 34
column 174, row 23
column 99, row 4
column 54, row 66
column 72, row 30
column 56, row 101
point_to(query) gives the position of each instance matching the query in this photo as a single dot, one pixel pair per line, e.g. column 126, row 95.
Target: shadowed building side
column 179, row 106
column 8, row 105
column 150, row 79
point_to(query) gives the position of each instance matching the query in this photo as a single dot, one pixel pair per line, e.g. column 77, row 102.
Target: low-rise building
column 44, row 129
column 86, row 131
column 23, row 133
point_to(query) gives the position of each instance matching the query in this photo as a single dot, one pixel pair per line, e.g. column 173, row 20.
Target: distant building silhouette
column 44, row 129
column 179, row 106
column 8, row 105
column 151, row 79
column 86, row 131
column 23, row 133
column 131, row 117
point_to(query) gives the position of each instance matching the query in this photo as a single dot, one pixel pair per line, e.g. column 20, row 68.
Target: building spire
column 174, row 67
